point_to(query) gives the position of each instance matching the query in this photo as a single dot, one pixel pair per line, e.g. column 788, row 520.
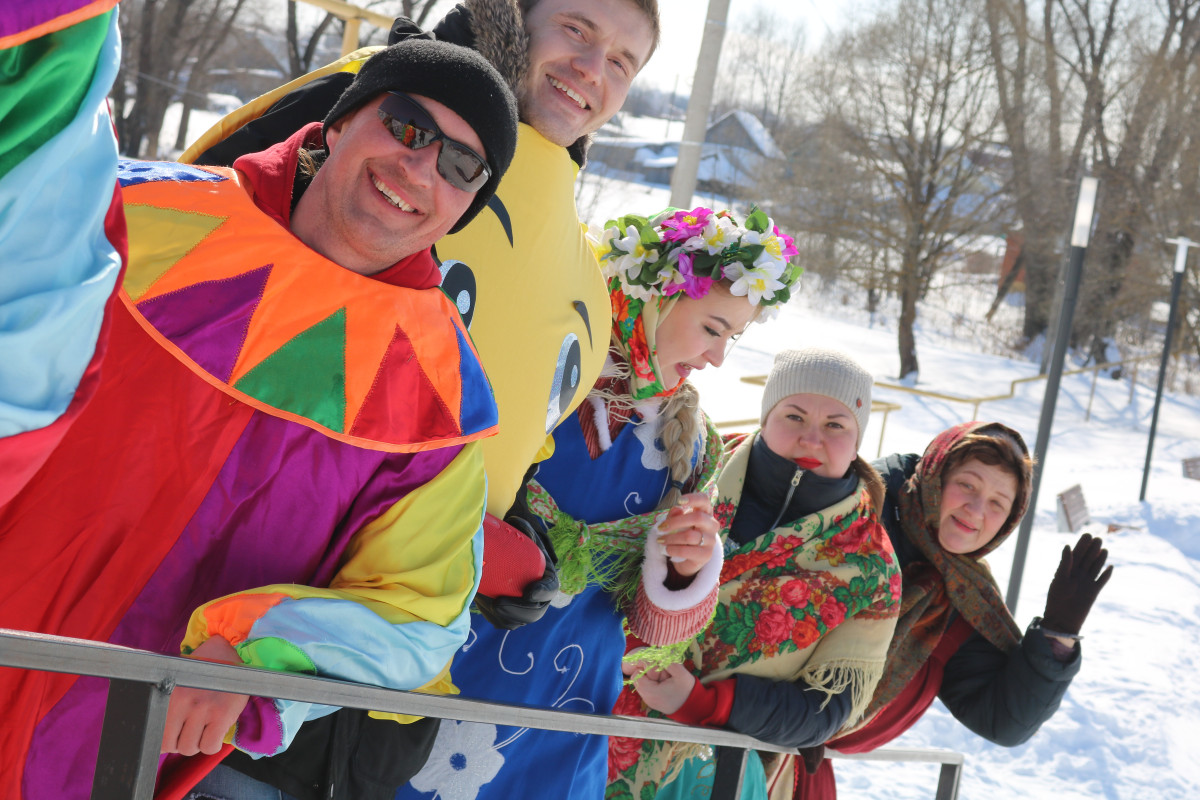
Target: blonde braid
column 681, row 426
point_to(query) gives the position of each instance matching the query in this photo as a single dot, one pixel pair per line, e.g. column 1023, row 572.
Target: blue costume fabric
column 569, row 660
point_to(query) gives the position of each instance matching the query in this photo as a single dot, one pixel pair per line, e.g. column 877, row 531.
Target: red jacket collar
column 271, row 174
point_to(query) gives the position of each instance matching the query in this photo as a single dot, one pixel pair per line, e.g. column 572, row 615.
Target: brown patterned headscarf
column 945, row 582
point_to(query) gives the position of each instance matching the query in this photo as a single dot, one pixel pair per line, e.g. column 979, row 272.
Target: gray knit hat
column 824, row 372
column 458, row 78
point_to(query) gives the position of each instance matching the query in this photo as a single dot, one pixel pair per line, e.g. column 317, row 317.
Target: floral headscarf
column 651, row 263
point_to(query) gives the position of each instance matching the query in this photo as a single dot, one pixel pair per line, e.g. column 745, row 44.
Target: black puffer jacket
column 1003, row 698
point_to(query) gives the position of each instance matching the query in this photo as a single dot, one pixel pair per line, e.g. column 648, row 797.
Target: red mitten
column 511, row 560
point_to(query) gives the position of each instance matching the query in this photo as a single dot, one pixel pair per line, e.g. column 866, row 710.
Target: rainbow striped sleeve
column 61, row 229
column 393, row 616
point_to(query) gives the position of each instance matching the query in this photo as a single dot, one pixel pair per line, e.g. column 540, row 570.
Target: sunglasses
column 412, row 127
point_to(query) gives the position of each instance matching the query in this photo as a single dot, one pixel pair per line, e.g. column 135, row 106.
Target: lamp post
column 1182, row 244
column 695, row 125
column 1085, row 207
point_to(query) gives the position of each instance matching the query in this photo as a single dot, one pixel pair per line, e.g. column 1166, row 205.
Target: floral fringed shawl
column 815, row 600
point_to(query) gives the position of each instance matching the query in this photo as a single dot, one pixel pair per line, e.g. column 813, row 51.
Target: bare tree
column 1100, row 86
column 762, row 66
column 1134, row 154
column 165, row 39
column 910, row 103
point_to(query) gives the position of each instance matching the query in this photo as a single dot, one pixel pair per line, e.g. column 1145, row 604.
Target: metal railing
column 887, row 407
column 140, row 686
column 1012, row 386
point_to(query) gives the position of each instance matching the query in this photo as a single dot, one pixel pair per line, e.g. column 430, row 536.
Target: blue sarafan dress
column 569, row 660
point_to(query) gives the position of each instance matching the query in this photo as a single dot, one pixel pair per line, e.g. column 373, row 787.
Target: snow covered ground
column 1124, row 730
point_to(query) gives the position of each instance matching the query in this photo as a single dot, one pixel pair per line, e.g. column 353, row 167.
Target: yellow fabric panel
column 528, row 296
column 415, row 561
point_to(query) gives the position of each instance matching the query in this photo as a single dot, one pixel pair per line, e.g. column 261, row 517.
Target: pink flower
column 695, row 285
column 789, row 244
column 774, row 625
column 796, row 593
column 683, row 225
column 852, row 539
column 832, row 612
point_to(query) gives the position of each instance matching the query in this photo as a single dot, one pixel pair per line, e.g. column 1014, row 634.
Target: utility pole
column 1182, row 244
column 687, row 164
column 1085, row 207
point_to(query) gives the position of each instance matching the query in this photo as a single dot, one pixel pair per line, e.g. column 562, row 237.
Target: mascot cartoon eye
column 566, row 380
column 458, row 282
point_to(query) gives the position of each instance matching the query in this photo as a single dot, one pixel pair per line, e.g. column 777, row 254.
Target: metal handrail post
column 130, row 740
column 948, row 780
column 731, row 771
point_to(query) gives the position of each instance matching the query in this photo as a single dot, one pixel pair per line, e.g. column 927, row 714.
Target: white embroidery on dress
column 463, row 759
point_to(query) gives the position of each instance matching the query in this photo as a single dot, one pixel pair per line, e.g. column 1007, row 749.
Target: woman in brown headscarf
column 956, row 638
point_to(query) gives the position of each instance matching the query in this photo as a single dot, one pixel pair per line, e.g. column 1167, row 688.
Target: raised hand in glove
column 520, row 576
column 1076, row 584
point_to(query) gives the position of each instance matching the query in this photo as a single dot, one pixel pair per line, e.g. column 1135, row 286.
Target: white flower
column 632, row 245
column 771, row 258
column 637, row 291
column 604, row 250
column 753, row 284
column 463, row 760
column 768, row 262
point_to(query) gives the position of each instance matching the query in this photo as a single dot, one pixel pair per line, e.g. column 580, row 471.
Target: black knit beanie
column 458, row 78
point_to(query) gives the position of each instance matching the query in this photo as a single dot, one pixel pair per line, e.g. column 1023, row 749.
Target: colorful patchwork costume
column 265, row 422
column 522, row 273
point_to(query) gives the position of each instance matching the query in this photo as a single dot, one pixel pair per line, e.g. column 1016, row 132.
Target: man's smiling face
column 583, row 55
column 375, row 201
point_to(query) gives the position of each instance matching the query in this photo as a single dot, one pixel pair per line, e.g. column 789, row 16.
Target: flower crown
column 687, row 251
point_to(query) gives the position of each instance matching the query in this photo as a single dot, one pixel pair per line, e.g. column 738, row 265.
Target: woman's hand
column 688, row 533
column 198, row 719
column 665, row 690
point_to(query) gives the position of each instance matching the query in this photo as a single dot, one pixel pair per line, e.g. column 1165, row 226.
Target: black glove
column 509, row 613
column 1076, row 584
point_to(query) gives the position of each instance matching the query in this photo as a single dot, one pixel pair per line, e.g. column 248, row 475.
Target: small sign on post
column 1072, row 510
column 1191, row 468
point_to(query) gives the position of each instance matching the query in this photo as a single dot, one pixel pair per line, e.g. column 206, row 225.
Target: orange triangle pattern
column 303, row 289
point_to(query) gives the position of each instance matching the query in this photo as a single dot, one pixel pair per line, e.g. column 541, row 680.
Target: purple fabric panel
column 259, row 729
column 21, row 15
column 208, row 321
column 398, row 475
column 282, row 510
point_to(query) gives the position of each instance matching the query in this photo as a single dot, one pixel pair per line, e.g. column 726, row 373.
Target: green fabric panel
column 278, row 654
column 42, row 84
column 307, row 376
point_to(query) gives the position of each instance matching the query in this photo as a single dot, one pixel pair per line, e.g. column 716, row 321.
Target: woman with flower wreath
column 624, row 500
column 809, row 589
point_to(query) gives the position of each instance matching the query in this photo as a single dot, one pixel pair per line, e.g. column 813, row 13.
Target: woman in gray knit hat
column 810, row 589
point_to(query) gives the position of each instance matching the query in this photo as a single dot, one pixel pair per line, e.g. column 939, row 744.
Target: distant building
column 737, row 148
